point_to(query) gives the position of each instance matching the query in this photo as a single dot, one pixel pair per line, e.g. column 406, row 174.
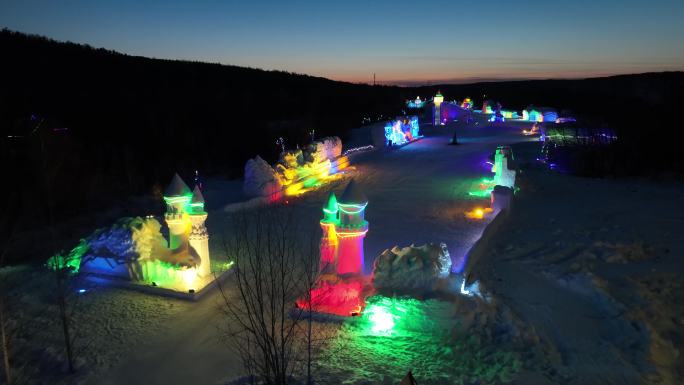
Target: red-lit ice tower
column 350, row 230
column 341, row 288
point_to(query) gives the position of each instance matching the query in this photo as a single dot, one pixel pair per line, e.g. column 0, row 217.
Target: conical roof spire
column 331, row 202
column 177, row 188
column 330, row 208
column 197, row 196
column 197, row 202
column 353, row 195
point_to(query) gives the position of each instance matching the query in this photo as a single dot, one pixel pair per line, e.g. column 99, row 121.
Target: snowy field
column 595, row 267
column 583, row 284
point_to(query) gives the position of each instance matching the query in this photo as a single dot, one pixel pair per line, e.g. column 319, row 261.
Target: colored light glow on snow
column 382, row 320
column 223, row 266
column 343, row 298
column 478, row 213
column 385, row 316
column 481, row 193
column 422, row 338
column 486, row 187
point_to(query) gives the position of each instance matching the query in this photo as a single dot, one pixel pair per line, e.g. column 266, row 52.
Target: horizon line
column 406, row 83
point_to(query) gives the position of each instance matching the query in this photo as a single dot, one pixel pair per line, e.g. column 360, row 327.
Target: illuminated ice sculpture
column 344, row 229
column 328, row 244
column 539, row 114
column 487, row 107
column 503, row 167
column 134, row 249
column 185, row 217
column 351, row 229
column 415, row 103
column 199, row 237
column 401, row 131
column 177, row 197
column 296, row 171
column 342, row 287
column 437, row 114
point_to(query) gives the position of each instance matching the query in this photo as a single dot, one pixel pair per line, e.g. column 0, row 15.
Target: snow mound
column 260, row 178
column 411, row 269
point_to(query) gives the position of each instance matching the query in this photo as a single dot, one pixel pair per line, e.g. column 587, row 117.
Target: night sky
column 404, row 42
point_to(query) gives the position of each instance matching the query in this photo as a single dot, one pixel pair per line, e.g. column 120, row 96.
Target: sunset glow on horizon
column 401, row 42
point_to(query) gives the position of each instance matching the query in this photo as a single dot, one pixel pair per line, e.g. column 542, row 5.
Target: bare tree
column 63, row 264
column 4, row 330
column 313, row 335
column 274, row 265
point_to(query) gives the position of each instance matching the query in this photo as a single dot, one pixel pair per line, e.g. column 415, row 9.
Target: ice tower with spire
column 350, row 230
column 329, row 238
column 185, row 217
column 199, row 237
column 437, row 111
column 177, row 197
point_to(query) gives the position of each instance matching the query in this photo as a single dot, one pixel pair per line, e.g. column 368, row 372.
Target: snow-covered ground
column 595, row 267
column 583, row 283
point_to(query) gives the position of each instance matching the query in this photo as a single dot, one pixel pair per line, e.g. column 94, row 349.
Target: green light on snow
column 385, row 316
column 382, row 320
column 486, row 187
column 481, row 193
column 393, row 334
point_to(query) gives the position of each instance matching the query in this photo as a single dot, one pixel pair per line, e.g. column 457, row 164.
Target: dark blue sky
column 401, row 41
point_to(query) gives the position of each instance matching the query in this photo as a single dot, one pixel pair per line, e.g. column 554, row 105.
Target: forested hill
column 113, row 125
